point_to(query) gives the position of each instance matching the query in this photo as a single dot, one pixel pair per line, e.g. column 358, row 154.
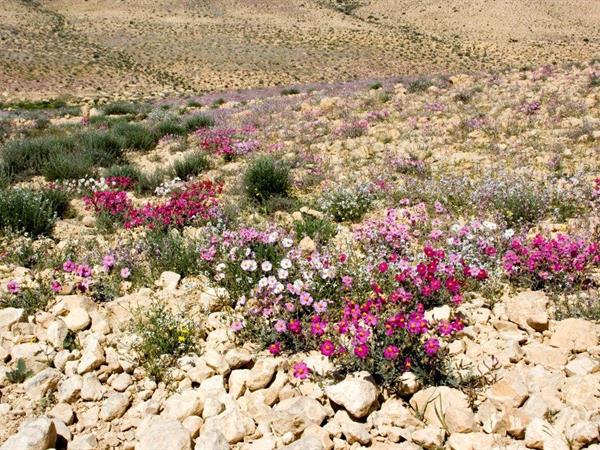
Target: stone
column 582, row 366
column 319, row 433
column 431, row 437
column 193, row 424
column 237, row 382
column 449, row 403
column 64, row 412
column 212, row 407
column 84, row 442
column 261, row 373
column 358, row 396
column 213, row 440
column 352, row 431
column 307, row 245
column 57, row 333
column 69, row 389
column 121, row 382
column 34, row 434
column 583, row 433
column 233, row 423
column 159, row 433
column 77, row 320
column 169, row 280
column 306, row 443
column 574, row 335
column 114, row 406
column 10, row 316
column 529, row 310
column 549, row 357
column 41, row 384
column 238, row 357
column 305, row 406
column 91, row 388
column 217, row 362
column 473, row 441
column 540, row 434
column 582, row 391
column 508, row 392
column 92, row 358
column 181, row 405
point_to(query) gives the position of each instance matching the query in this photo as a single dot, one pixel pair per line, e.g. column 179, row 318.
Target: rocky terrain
column 111, row 48
column 421, row 269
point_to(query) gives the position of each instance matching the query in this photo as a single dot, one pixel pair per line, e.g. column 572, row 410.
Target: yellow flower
column 182, row 339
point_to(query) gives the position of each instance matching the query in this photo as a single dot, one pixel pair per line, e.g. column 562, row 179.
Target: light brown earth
column 53, row 48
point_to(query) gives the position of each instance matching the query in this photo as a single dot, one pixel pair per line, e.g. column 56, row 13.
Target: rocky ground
column 529, row 369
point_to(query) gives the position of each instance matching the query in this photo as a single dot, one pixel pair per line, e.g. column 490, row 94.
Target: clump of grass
column 162, row 338
column 194, row 104
column 120, row 108
column 134, row 136
column 169, row 126
column 419, row 85
column 218, row 102
column 25, row 211
column 347, row 204
column 375, row 85
column 198, row 121
column 318, row 229
column 266, row 177
column 290, row 91
column 190, row 165
column 103, row 148
column 125, row 170
column 58, row 200
column 29, row 156
column 169, row 251
column 20, row 373
column 148, row 182
column 35, row 105
column 64, row 166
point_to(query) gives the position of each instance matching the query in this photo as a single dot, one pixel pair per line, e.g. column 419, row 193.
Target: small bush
column 376, row 85
column 20, row 373
column 26, row 211
column 319, row 230
column 218, row 102
column 58, row 200
column 149, row 182
column 419, row 85
column 290, row 91
column 29, row 156
column 190, row 165
column 194, row 104
column 103, row 148
column 64, row 166
column 31, row 299
column 197, row 121
column 125, row 170
column 120, row 108
column 162, row 338
column 347, row 204
column 171, row 252
column 134, row 136
column 169, row 126
column 266, row 178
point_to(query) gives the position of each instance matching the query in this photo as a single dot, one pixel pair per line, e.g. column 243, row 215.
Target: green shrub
column 169, row 126
column 290, row 91
column 59, row 201
column 376, row 85
column 218, row 102
column 266, row 178
column 419, row 85
column 120, row 108
column 190, row 165
column 162, row 338
column 29, row 156
column 347, row 204
column 197, row 121
column 66, row 166
column 169, row 251
column 102, row 147
column 318, row 229
column 31, row 299
column 134, row 136
column 36, row 105
column 194, row 104
column 20, row 373
column 149, row 182
column 26, row 212
column 125, row 170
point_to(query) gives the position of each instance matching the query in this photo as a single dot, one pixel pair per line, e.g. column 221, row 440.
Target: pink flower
column 56, row 286
column 391, row 352
column 327, row 348
column 13, row 287
column 236, row 326
column 125, row 272
column 431, row 346
column 280, row 326
column 383, row 267
column 301, row 371
column 108, row 262
column 69, row 266
column 361, row 351
column 275, row 348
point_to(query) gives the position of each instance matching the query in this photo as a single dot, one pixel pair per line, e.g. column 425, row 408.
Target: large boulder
column 34, row 434
column 160, row 433
column 443, row 406
column 357, row 395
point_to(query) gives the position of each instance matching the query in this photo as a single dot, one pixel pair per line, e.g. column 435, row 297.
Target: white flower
column 282, row 274
column 221, row 267
column 219, row 276
column 278, row 288
column 266, row 266
column 272, row 237
column 249, row 265
column 490, row 225
column 509, row 233
column 262, row 283
column 455, row 228
column 285, row 263
column 287, row 242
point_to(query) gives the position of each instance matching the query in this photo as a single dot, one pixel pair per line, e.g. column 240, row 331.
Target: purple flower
column 13, row 287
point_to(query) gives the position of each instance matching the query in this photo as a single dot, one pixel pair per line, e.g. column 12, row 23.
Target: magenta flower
column 69, row 266
column 301, row 371
column 327, row 348
column 56, row 286
column 361, row 351
column 295, row 326
column 275, row 348
column 391, row 352
column 13, row 287
column 431, row 346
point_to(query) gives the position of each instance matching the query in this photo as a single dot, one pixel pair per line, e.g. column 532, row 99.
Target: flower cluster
column 562, row 262
column 228, row 142
column 196, row 201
